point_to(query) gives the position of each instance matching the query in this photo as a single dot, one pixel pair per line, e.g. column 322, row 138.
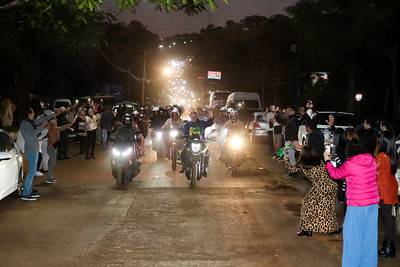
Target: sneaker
column 52, row 181
column 34, row 191
column 29, row 198
column 182, row 170
column 35, row 195
column 38, row 173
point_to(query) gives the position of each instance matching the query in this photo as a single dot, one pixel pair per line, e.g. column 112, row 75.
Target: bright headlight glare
column 127, row 152
column 116, row 152
column 159, row 134
column 236, row 142
column 196, row 147
column 173, row 133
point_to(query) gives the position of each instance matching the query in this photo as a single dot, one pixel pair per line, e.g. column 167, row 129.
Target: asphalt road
column 250, row 220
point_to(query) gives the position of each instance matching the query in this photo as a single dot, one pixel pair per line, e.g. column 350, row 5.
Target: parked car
column 11, row 168
column 342, row 119
column 257, row 127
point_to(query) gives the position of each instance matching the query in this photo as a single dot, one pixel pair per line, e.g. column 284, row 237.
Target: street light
column 358, row 97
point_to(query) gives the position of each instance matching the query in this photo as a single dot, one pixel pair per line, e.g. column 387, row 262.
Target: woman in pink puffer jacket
column 360, row 229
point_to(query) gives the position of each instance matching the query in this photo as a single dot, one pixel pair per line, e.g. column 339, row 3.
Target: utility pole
column 263, row 93
column 144, row 77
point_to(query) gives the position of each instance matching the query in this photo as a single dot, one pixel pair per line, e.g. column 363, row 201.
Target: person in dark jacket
column 105, row 126
column 291, row 123
column 61, row 121
column 368, row 140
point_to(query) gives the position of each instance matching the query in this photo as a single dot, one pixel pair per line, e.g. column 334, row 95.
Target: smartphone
column 328, row 150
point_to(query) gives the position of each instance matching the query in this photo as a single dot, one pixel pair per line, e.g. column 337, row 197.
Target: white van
column 248, row 100
column 61, row 102
column 218, row 98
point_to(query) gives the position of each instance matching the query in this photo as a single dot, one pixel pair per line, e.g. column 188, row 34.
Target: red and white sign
column 216, row 75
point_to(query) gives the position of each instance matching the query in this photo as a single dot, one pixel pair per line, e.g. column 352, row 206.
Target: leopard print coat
column 318, row 206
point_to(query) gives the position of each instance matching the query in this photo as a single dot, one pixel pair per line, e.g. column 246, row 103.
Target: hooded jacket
column 360, row 174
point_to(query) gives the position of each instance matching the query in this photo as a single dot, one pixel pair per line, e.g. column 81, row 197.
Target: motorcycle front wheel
column 173, row 157
column 120, row 180
column 194, row 174
column 233, row 168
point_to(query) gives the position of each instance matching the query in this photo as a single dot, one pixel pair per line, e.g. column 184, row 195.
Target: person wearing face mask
column 91, row 128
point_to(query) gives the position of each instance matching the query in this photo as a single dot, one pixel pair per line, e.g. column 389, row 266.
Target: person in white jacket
column 91, row 128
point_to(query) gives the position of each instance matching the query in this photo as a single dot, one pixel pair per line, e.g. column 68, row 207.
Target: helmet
column 169, row 107
column 161, row 110
column 223, row 109
column 142, row 109
column 229, row 110
column 127, row 116
column 233, row 112
column 155, row 109
column 135, row 113
column 175, row 110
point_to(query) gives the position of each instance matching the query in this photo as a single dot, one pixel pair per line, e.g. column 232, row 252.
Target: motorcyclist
column 139, row 124
column 127, row 132
column 176, row 122
column 232, row 127
column 169, row 109
column 195, row 129
column 222, row 118
column 162, row 116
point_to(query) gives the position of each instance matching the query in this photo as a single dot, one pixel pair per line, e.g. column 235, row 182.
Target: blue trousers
column 32, row 162
column 360, row 237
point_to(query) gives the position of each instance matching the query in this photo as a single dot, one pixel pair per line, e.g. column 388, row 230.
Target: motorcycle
column 125, row 163
column 172, row 144
column 231, row 151
column 157, row 137
column 196, row 151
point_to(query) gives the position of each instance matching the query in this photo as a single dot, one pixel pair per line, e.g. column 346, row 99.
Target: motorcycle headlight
column 127, row 152
column 116, row 152
column 236, row 142
column 196, row 147
column 173, row 133
column 159, row 134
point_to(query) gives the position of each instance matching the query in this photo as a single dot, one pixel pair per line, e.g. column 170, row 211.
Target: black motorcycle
column 157, row 138
column 124, row 162
column 231, row 152
column 173, row 144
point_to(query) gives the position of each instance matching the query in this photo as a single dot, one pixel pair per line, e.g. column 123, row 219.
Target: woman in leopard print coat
column 318, row 207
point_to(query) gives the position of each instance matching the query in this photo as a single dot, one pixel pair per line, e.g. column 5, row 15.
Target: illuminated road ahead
column 250, row 220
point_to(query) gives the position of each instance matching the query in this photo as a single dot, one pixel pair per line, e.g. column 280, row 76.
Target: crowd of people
column 356, row 169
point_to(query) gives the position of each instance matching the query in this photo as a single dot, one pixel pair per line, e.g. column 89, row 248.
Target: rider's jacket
column 221, row 121
column 139, row 124
column 229, row 124
column 196, row 129
column 125, row 133
column 176, row 123
column 157, row 121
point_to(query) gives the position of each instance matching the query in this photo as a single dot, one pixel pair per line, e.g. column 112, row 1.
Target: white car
column 11, row 168
column 257, row 127
column 342, row 120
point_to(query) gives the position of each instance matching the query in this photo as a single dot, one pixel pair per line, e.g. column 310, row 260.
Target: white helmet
column 155, row 109
column 229, row 110
column 136, row 112
column 233, row 112
column 175, row 110
column 223, row 109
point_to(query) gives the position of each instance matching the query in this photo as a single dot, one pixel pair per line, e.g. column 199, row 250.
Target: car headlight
column 236, row 142
column 127, row 152
column 173, row 133
column 116, row 152
column 159, row 134
column 196, row 147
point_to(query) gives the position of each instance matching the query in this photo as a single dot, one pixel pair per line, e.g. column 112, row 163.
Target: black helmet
column 127, row 116
column 161, row 110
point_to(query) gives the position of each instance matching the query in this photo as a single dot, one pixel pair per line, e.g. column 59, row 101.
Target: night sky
column 173, row 23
